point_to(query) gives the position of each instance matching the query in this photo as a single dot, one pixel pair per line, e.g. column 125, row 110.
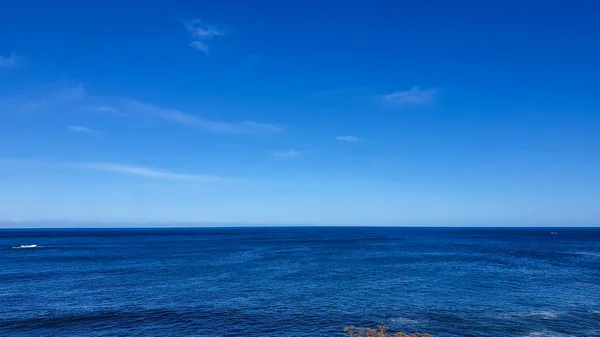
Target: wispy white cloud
column 76, row 99
column 200, row 45
column 350, row 139
column 256, row 127
column 148, row 172
column 291, row 153
column 82, row 129
column 173, row 115
column 202, row 32
column 103, row 108
column 10, row 61
column 70, row 93
column 62, row 98
column 413, row 97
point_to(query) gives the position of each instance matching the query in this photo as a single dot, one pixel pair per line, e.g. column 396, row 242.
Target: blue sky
column 312, row 112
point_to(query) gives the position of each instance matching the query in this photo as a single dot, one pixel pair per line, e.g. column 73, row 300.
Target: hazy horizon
column 74, row 224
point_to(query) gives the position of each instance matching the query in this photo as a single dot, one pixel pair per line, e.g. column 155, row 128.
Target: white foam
column 403, row 321
column 544, row 314
column 546, row 334
column 25, row 247
column 537, row 314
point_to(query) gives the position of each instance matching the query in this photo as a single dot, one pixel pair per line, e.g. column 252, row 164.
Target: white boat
column 25, row 246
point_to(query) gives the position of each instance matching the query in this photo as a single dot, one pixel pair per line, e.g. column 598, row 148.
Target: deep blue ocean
column 300, row 281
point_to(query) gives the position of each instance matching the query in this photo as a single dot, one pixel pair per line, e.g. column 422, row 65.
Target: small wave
column 588, row 253
column 404, row 321
column 25, row 247
column 537, row 314
column 546, row 334
column 544, row 314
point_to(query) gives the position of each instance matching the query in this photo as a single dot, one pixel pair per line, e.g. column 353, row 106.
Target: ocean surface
column 300, row 281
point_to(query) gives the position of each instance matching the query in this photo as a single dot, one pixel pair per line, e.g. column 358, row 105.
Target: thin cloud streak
column 82, row 129
column 245, row 127
column 413, row 97
column 70, row 94
column 202, row 32
column 102, row 108
column 148, row 172
column 349, row 139
column 75, row 100
column 63, row 98
column 291, row 153
column 201, row 46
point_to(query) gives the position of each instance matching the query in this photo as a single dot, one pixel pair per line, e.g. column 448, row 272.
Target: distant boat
column 25, row 246
column 553, row 233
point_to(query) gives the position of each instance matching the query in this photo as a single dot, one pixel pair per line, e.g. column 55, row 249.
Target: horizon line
column 239, row 226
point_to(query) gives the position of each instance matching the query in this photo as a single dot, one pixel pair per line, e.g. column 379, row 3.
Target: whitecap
column 546, row 334
column 25, row 247
column 404, row 321
column 544, row 314
column 537, row 314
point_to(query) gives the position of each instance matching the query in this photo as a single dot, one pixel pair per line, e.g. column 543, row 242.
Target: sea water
column 293, row 281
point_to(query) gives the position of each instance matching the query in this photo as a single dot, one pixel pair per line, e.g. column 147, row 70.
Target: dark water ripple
column 300, row 282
